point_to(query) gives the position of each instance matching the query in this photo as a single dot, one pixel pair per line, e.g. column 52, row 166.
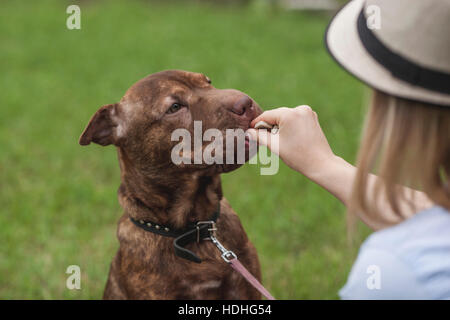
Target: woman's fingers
column 304, row 108
column 265, row 138
column 275, row 116
column 300, row 141
column 271, row 116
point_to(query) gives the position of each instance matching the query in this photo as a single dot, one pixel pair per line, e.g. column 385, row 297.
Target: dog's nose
column 243, row 106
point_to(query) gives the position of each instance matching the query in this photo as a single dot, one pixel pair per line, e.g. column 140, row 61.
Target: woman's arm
column 302, row 145
column 337, row 177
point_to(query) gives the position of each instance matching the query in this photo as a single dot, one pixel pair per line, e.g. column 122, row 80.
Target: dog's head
column 144, row 123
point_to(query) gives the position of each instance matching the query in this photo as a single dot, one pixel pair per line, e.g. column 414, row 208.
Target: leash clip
column 212, row 230
column 227, row 255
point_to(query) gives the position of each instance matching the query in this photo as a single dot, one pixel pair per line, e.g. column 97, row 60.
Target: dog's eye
column 174, row 108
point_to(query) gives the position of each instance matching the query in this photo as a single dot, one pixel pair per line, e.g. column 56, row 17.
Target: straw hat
column 401, row 47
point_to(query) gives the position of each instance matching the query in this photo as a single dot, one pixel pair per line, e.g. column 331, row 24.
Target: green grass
column 58, row 203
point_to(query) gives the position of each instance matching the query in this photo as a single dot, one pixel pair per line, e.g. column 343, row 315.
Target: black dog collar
column 194, row 232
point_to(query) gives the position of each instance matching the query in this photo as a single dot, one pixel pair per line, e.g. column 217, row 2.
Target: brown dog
column 153, row 188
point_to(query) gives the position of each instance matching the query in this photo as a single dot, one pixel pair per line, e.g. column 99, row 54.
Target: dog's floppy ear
column 102, row 128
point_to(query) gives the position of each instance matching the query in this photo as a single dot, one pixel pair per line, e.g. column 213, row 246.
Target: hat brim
column 343, row 43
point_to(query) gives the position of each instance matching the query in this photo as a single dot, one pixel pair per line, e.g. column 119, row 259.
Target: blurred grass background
column 58, row 203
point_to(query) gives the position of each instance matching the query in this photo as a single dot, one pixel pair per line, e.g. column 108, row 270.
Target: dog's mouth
column 242, row 152
column 228, row 148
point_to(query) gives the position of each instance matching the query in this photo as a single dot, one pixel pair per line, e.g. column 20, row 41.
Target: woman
column 405, row 57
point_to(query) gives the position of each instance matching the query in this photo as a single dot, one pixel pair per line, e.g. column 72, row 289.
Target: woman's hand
column 301, row 143
column 303, row 146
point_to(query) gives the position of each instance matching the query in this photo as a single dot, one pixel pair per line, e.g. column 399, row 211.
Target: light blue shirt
column 410, row 260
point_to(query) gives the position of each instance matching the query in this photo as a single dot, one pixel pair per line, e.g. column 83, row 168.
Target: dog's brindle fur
column 153, row 188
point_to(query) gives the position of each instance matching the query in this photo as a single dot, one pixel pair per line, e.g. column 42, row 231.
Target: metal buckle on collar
column 227, row 255
column 212, row 230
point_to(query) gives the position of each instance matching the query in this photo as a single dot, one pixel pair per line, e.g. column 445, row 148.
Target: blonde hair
column 405, row 143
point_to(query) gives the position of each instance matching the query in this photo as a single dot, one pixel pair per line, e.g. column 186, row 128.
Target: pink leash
column 237, row 265
column 231, row 258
